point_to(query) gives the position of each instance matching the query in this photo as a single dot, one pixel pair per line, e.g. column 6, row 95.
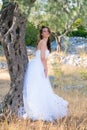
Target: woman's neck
column 45, row 39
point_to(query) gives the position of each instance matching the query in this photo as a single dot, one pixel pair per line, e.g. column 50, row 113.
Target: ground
column 70, row 84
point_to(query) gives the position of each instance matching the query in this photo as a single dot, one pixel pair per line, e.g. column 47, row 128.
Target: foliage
column 83, row 75
column 77, row 23
column 82, row 13
column 24, row 5
column 31, row 34
column 57, row 71
column 0, row 5
column 81, row 27
column 42, row 23
column 80, row 32
column 59, row 15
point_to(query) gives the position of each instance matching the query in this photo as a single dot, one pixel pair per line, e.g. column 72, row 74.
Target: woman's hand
column 45, row 71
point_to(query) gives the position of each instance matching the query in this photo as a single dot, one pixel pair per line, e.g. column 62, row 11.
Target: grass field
column 77, row 98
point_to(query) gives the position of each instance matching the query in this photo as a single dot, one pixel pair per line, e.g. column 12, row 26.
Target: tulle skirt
column 40, row 101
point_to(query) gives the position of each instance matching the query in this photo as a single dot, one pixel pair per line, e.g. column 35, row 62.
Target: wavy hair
column 41, row 37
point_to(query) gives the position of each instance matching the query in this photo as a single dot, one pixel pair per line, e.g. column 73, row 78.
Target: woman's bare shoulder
column 42, row 41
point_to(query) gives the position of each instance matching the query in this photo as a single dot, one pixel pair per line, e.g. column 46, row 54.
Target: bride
column 40, row 102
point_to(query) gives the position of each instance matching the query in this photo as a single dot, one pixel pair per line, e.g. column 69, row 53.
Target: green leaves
column 31, row 34
column 24, row 5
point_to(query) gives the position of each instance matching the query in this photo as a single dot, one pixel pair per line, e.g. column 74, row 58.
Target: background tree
column 0, row 6
column 12, row 37
column 31, row 35
column 24, row 5
column 60, row 16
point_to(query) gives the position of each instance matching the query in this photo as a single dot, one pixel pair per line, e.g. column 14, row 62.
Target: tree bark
column 59, row 42
column 59, row 38
column 12, row 37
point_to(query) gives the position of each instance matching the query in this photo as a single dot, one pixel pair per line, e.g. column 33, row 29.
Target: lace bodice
column 39, row 51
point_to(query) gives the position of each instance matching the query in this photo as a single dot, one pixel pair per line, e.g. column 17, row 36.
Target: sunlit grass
column 76, row 120
column 2, row 58
column 64, row 75
column 83, row 53
column 84, row 74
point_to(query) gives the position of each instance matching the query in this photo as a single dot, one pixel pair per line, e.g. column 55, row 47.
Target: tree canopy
column 24, row 5
column 59, row 15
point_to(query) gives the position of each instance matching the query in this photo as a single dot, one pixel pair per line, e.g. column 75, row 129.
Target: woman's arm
column 43, row 58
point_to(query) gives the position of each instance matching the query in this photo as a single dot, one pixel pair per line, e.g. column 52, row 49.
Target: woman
column 40, row 102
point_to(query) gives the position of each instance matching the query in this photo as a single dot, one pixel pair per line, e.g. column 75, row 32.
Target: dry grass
column 69, row 75
column 77, row 118
column 4, row 82
column 2, row 58
column 83, row 53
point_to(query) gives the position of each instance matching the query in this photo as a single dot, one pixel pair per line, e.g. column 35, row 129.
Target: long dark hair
column 41, row 37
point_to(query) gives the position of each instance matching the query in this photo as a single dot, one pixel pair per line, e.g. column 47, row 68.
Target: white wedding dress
column 40, row 101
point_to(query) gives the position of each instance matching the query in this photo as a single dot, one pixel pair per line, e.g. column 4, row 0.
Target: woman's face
column 45, row 33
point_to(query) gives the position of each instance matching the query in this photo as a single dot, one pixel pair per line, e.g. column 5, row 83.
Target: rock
column 78, row 87
column 1, row 51
column 31, row 50
column 52, row 79
column 53, row 45
column 3, row 65
column 72, row 45
column 75, row 45
column 74, row 59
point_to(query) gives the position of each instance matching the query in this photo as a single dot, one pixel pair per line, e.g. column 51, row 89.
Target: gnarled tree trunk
column 12, row 35
column 58, row 40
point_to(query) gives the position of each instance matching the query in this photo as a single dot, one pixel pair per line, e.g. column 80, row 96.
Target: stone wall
column 73, row 46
